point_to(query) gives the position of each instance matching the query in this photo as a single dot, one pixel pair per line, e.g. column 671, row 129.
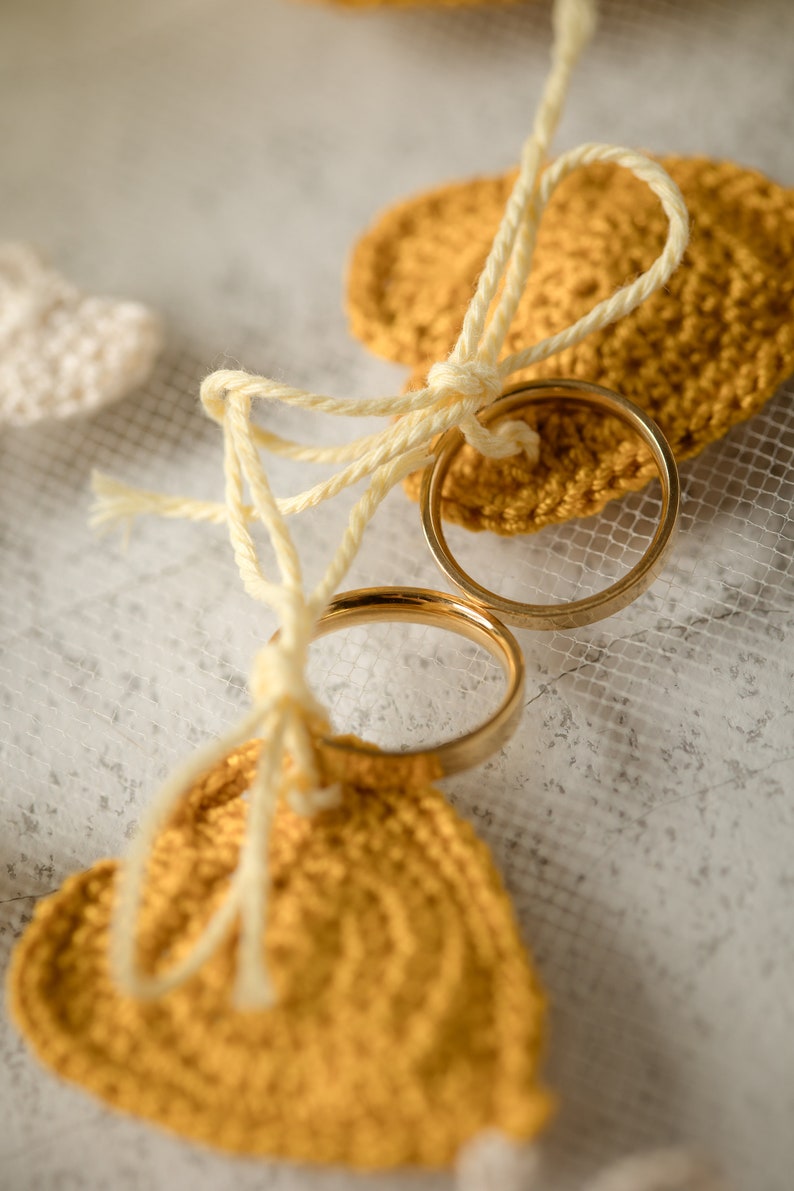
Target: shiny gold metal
column 603, row 603
column 455, row 615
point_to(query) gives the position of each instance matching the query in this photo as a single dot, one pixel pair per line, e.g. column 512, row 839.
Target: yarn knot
column 474, row 378
column 278, row 679
column 480, row 382
column 311, row 801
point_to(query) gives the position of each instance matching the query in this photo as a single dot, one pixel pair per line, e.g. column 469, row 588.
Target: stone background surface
column 216, row 160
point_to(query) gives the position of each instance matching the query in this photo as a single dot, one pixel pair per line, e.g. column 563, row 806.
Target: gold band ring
column 603, row 603
column 456, row 615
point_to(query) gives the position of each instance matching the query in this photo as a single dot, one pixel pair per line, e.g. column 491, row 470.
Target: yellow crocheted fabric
column 702, row 355
column 408, row 1018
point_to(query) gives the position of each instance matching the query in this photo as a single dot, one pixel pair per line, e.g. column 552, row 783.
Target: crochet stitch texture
column 700, row 356
column 408, row 1019
column 63, row 352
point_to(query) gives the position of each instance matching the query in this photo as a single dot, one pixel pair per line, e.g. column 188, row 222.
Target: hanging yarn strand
column 574, row 23
column 285, row 713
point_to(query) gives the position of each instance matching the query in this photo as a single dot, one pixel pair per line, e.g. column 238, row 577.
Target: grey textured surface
column 217, row 160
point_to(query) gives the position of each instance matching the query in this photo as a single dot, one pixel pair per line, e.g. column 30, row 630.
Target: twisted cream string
column 284, row 712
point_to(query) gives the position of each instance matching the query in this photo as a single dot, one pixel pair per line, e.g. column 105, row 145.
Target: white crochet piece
column 63, row 352
column 494, row 1162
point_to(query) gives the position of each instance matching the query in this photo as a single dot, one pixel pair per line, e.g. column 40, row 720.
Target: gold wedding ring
column 603, row 603
column 448, row 612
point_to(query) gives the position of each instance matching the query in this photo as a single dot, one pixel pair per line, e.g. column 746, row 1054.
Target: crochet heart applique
column 703, row 354
column 408, row 1018
column 63, row 352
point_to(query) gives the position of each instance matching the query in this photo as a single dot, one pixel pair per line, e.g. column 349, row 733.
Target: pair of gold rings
column 484, row 615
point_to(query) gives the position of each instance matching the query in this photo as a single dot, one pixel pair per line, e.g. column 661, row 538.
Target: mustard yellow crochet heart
column 408, row 1016
column 700, row 356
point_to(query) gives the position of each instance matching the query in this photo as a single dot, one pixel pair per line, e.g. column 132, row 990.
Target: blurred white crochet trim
column 493, row 1162
column 63, row 352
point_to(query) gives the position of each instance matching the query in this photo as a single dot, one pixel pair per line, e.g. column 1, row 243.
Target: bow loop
column 214, row 389
column 506, row 438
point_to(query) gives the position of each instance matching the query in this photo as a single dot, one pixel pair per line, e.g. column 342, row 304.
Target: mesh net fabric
column 639, row 816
